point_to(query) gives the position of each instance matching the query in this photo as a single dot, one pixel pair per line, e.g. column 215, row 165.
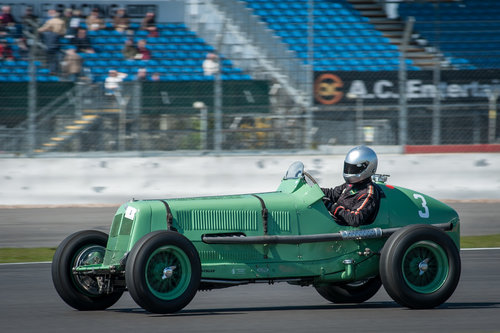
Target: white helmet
column 360, row 163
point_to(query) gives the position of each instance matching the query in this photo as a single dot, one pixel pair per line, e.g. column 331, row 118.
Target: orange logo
column 326, row 89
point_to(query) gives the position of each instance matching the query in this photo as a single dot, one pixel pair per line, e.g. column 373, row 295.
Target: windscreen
column 296, row 170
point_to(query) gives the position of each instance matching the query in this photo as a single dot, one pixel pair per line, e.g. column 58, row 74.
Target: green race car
column 164, row 251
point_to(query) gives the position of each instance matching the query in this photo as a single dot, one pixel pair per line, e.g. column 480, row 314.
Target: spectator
column 52, row 31
column 141, row 75
column 6, row 17
column 66, row 17
column 129, row 51
column 7, row 22
column 211, row 65
column 72, row 64
column 74, row 23
column 94, row 22
column 5, row 51
column 29, row 20
column 155, row 77
column 149, row 24
column 142, row 51
column 121, row 21
column 112, row 84
column 82, row 42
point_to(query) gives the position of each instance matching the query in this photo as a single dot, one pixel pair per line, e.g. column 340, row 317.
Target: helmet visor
column 354, row 168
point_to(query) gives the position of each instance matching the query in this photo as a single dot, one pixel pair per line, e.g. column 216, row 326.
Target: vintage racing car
column 164, row 251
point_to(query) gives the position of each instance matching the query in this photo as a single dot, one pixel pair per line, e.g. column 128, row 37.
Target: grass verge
column 39, row 254
column 480, row 241
column 35, row 254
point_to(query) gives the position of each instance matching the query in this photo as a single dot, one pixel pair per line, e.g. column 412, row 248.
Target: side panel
column 237, row 214
column 412, row 207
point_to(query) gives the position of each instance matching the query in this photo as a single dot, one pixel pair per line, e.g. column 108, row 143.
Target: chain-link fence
column 295, row 75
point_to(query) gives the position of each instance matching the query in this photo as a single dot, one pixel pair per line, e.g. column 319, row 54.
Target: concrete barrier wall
column 112, row 180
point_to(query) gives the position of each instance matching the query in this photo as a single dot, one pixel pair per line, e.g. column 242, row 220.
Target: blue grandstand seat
column 338, row 28
column 466, row 26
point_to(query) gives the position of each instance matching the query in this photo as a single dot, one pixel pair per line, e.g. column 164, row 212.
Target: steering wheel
column 326, row 200
column 328, row 203
column 309, row 178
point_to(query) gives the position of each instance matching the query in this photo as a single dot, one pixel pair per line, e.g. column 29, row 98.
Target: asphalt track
column 29, row 303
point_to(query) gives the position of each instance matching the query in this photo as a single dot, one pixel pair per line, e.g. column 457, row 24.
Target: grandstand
column 177, row 54
column 344, row 40
column 290, row 71
column 466, row 32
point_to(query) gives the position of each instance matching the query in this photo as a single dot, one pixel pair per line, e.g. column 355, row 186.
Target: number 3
column 423, row 214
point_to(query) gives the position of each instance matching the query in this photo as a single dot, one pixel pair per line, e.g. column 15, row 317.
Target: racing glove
column 334, row 209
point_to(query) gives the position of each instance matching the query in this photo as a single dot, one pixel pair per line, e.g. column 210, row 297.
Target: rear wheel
column 81, row 291
column 420, row 266
column 357, row 292
column 163, row 272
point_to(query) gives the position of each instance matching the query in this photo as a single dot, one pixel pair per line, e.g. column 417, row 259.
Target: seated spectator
column 82, row 42
column 5, row 51
column 142, row 75
column 155, row 77
column 7, row 22
column 74, row 23
column 94, row 22
column 142, row 51
column 121, row 21
column 211, row 65
column 72, row 64
column 112, row 83
column 148, row 23
column 129, row 51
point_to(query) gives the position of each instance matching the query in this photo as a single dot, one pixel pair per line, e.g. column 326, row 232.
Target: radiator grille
column 279, row 222
column 219, row 220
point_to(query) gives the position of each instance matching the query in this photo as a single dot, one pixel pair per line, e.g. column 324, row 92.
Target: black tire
column 81, row 291
column 420, row 266
column 357, row 292
column 163, row 272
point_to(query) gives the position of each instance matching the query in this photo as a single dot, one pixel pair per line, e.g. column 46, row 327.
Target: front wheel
column 420, row 266
column 163, row 272
column 81, row 291
column 357, row 292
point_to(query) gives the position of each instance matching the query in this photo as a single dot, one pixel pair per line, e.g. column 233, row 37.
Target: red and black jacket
column 354, row 204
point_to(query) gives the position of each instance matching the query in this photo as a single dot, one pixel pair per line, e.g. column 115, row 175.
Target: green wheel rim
column 168, row 272
column 425, row 267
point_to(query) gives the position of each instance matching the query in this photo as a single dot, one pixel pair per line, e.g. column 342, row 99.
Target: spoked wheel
column 420, row 266
column 81, row 291
column 163, row 272
column 357, row 292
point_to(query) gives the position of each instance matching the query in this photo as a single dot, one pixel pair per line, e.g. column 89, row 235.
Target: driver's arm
column 362, row 212
column 333, row 193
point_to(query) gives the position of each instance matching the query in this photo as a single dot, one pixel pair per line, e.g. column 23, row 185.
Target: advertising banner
column 343, row 88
